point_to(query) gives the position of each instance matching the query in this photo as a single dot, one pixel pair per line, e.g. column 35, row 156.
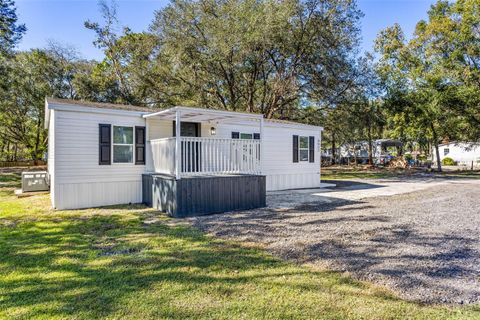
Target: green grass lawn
column 130, row 262
column 364, row 172
column 361, row 172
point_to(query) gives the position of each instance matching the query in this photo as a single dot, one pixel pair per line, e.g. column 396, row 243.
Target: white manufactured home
column 106, row 154
column 463, row 153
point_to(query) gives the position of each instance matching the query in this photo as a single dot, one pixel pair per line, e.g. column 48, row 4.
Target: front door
column 188, row 129
column 190, row 149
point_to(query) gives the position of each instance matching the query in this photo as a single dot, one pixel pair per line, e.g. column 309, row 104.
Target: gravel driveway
column 420, row 238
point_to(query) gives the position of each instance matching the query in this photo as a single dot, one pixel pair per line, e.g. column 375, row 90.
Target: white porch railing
column 207, row 156
column 163, row 153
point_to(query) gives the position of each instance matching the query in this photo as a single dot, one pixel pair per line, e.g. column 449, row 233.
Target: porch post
column 148, row 148
column 178, row 152
column 262, row 149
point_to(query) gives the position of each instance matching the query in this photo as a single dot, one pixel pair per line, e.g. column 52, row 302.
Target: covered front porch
column 189, row 152
column 195, row 169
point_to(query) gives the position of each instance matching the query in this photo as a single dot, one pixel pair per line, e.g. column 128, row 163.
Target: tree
column 65, row 64
column 355, row 113
column 129, row 61
column 10, row 32
column 433, row 80
column 411, row 87
column 259, row 56
column 34, row 75
column 22, row 110
column 107, row 39
column 452, row 48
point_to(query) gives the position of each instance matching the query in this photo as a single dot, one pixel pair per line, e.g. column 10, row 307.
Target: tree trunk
column 333, row 148
column 437, row 150
column 354, row 155
column 439, row 163
column 370, row 146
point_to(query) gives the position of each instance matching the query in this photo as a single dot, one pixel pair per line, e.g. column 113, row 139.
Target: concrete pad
column 363, row 189
column 20, row 194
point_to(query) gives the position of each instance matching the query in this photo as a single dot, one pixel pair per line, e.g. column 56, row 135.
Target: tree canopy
column 294, row 59
column 10, row 31
column 431, row 81
column 258, row 56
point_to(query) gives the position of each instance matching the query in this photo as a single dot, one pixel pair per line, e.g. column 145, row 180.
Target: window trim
column 123, row 144
column 300, row 148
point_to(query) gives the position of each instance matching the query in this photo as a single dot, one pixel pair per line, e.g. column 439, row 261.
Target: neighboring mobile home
column 463, row 153
column 383, row 151
column 105, row 154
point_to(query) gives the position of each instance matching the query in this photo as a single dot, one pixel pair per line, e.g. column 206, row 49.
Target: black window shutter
column 139, row 145
column 256, row 136
column 235, row 135
column 295, row 148
column 311, row 149
column 105, row 144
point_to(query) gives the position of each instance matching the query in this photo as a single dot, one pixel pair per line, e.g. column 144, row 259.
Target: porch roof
column 207, row 115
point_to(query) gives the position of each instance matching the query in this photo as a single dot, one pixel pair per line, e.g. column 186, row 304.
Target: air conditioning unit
column 35, row 181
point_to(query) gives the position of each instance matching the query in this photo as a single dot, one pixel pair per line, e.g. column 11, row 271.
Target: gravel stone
column 418, row 237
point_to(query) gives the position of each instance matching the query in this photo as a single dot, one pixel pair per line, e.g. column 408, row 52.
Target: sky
column 63, row 20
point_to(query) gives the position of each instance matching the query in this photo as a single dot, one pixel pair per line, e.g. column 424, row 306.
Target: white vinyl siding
column 280, row 172
column 80, row 182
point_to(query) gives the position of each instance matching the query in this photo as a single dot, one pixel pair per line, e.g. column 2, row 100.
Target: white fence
column 207, row 156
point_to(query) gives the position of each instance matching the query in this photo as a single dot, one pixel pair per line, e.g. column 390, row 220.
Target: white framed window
column 303, row 148
column 446, row 151
column 245, row 135
column 122, row 144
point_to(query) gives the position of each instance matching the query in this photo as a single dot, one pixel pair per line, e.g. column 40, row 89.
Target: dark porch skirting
column 201, row 195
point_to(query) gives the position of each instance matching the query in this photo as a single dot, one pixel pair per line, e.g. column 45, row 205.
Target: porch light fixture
column 213, row 131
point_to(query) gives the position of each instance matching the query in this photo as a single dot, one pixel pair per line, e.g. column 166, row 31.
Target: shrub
column 448, row 161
